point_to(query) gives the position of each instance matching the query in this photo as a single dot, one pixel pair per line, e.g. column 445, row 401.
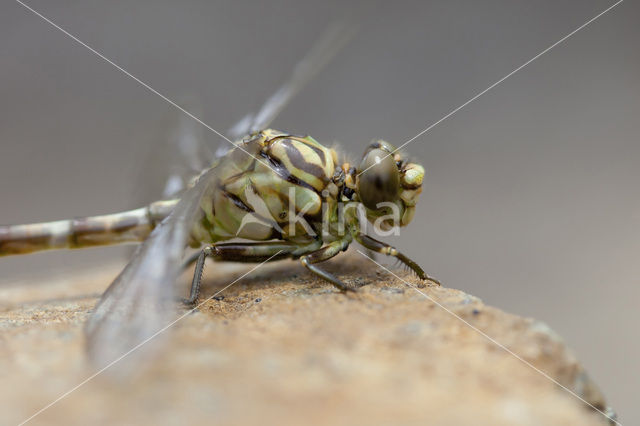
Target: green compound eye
column 380, row 178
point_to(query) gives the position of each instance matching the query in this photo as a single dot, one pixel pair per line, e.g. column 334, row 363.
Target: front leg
column 326, row 253
column 380, row 247
column 238, row 252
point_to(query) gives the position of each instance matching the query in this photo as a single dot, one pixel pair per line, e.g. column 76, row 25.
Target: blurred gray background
column 531, row 198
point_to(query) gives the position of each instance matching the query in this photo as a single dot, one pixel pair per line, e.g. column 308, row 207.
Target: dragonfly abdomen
column 117, row 228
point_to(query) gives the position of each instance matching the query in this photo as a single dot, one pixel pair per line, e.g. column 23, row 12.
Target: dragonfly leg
column 236, row 252
column 326, row 253
column 197, row 274
column 383, row 248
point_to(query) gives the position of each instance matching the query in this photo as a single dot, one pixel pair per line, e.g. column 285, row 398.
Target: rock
column 282, row 347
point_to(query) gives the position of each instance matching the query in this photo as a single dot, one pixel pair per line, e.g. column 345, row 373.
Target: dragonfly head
column 388, row 185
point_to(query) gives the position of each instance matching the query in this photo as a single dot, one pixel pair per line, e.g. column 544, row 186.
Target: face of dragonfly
column 388, row 185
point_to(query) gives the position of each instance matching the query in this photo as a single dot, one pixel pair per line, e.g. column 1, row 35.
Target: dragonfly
column 277, row 195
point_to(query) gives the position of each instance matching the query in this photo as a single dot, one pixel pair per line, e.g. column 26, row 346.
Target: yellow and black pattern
column 254, row 199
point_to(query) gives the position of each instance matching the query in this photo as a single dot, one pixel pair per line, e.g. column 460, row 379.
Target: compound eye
column 380, row 181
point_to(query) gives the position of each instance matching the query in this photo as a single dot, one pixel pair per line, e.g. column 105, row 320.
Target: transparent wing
column 140, row 302
column 177, row 155
column 196, row 155
column 329, row 44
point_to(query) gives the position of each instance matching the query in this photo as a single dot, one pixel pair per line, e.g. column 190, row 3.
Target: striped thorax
column 260, row 198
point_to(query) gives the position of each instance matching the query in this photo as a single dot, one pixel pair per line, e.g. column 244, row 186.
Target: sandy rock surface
column 283, row 347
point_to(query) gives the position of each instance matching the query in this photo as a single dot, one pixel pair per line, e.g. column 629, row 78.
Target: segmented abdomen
column 130, row 226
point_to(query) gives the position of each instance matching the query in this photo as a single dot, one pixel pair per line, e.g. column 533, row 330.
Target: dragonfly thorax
column 279, row 193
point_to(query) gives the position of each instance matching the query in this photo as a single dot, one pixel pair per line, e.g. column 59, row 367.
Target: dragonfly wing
column 329, row 44
column 195, row 154
column 140, row 302
column 181, row 152
column 239, row 130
